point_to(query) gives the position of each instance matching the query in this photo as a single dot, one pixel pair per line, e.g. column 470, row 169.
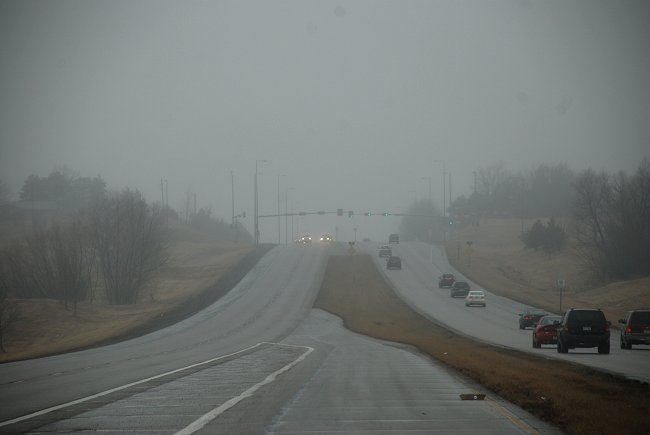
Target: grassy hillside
column 498, row 261
column 41, row 327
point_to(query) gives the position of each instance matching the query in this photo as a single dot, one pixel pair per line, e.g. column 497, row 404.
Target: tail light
column 628, row 329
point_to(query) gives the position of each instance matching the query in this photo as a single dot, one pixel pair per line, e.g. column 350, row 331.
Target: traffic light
column 368, row 213
column 451, row 221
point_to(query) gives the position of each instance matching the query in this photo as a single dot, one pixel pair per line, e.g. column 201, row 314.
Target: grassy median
column 575, row 398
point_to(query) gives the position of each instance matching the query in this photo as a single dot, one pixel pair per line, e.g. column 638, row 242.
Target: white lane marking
column 112, row 390
column 202, row 421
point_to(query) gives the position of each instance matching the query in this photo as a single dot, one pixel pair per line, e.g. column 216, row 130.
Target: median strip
column 575, row 398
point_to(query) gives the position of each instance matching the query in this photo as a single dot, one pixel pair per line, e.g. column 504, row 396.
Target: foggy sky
column 351, row 100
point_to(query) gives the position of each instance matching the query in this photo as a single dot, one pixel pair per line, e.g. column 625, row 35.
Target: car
column 530, row 317
column 475, row 297
column 326, row 238
column 583, row 328
column 305, row 239
column 446, row 280
column 459, row 289
column 394, row 262
column 636, row 328
column 385, row 251
column 393, row 239
column 545, row 331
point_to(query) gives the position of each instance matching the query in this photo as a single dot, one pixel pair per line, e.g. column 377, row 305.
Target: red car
column 446, row 280
column 545, row 331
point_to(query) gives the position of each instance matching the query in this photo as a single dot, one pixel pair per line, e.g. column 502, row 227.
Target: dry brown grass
column 42, row 327
column 500, row 263
column 575, row 398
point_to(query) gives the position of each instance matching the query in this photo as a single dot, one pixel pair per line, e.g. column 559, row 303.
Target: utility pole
column 444, row 188
column 450, row 189
column 162, row 193
column 256, row 204
column 166, row 203
column 286, row 218
column 232, row 196
column 444, row 204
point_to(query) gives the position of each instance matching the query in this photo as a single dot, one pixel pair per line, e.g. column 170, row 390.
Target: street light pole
column 279, row 175
column 444, row 188
column 256, row 203
column 232, row 196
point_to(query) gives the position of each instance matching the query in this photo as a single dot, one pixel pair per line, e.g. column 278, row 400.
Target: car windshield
column 534, row 312
column 548, row 320
column 640, row 317
column 461, row 284
column 587, row 316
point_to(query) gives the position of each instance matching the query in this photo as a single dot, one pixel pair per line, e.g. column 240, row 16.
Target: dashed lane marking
column 123, row 387
column 202, row 421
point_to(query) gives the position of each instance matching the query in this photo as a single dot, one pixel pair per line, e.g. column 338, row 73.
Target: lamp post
column 256, row 203
column 279, row 175
column 444, row 188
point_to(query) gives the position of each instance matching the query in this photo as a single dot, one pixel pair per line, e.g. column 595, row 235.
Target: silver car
column 475, row 297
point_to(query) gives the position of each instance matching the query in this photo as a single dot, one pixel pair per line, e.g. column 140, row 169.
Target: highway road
column 497, row 323
column 259, row 360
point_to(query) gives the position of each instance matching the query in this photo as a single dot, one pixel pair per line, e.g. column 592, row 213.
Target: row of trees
column 64, row 188
column 546, row 191
column 119, row 242
column 613, row 222
column 608, row 214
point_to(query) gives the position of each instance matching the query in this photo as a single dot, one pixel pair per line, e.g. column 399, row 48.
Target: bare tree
column 593, row 194
column 55, row 263
column 74, row 258
column 613, row 222
column 131, row 244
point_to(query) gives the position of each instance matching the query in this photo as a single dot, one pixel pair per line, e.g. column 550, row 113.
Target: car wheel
column 561, row 347
column 521, row 326
column 603, row 348
column 536, row 343
column 628, row 345
column 622, row 343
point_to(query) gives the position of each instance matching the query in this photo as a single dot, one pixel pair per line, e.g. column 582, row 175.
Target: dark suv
column 459, row 289
column 635, row 329
column 583, row 328
column 446, row 280
column 394, row 262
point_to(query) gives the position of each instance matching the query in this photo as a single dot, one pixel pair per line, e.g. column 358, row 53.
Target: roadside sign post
column 561, row 284
column 468, row 251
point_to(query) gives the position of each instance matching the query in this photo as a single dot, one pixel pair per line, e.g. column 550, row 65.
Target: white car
column 475, row 297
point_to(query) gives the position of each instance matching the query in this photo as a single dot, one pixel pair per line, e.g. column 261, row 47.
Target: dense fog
column 358, row 105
